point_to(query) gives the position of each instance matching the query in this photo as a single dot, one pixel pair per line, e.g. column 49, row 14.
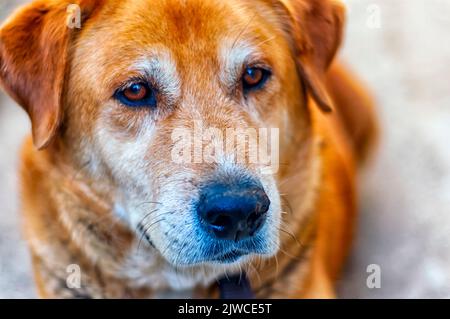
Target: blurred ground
column 404, row 225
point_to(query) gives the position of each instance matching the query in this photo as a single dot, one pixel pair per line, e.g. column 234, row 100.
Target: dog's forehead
column 186, row 40
column 189, row 28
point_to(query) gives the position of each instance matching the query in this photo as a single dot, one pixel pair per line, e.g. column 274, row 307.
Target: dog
column 109, row 213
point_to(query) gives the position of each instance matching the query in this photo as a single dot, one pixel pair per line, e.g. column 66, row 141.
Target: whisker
column 144, row 218
column 145, row 232
column 256, row 272
column 288, row 254
column 149, row 202
column 144, row 225
column 267, row 40
column 243, row 31
column 291, row 235
column 287, row 203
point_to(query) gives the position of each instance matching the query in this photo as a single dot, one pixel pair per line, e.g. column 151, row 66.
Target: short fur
column 102, row 192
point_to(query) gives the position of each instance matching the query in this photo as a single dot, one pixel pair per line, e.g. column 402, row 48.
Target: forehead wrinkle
column 160, row 66
column 233, row 55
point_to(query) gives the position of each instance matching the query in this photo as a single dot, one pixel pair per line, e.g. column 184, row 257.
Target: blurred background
column 401, row 49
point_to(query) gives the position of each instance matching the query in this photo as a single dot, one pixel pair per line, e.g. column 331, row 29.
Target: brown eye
column 135, row 92
column 136, row 95
column 254, row 78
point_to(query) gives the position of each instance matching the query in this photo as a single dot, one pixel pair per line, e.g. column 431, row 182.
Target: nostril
column 254, row 222
column 263, row 205
column 220, row 222
column 253, row 218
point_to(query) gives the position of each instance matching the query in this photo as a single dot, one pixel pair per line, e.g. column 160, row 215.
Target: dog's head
column 147, row 93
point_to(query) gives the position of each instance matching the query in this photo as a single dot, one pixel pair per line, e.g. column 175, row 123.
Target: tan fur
column 104, row 167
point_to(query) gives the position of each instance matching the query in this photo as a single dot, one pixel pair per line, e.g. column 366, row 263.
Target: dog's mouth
column 229, row 257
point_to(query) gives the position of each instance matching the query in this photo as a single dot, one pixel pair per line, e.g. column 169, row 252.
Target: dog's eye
column 254, row 78
column 136, row 94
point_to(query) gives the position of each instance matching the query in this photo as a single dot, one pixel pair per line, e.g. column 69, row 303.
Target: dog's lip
column 230, row 256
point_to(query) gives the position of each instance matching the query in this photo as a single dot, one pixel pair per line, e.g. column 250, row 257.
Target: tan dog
column 101, row 189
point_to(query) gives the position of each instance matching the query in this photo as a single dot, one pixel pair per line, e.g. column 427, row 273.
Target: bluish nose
column 233, row 212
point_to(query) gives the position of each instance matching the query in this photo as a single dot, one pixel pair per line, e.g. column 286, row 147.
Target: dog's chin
column 228, row 261
column 225, row 258
column 230, row 257
column 238, row 257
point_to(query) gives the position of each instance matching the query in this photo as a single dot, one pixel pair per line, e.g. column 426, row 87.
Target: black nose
column 233, row 212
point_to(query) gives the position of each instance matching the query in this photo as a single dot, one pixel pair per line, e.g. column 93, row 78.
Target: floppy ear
column 317, row 29
column 33, row 60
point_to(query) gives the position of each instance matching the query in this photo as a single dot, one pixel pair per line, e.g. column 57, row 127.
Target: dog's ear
column 316, row 27
column 34, row 45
